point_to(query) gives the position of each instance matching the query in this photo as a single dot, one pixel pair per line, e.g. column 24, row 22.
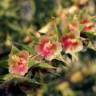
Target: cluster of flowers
column 69, row 43
column 49, row 50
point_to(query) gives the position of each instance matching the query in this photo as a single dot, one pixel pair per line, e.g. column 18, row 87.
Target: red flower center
column 69, row 43
column 87, row 25
column 46, row 48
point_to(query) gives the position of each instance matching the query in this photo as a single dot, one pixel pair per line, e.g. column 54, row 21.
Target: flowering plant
column 58, row 59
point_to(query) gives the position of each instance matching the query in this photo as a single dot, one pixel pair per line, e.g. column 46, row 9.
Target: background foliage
column 20, row 23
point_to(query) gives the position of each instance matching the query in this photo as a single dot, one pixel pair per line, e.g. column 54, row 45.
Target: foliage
column 47, row 48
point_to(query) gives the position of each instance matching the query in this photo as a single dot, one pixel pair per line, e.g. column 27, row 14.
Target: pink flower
column 71, row 44
column 48, row 49
column 88, row 25
column 18, row 64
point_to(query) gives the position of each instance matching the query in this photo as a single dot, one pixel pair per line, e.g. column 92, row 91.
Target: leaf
column 8, row 77
column 45, row 65
column 89, row 35
column 20, row 79
column 81, row 27
column 27, row 48
column 93, row 19
column 4, row 64
column 32, row 63
column 14, row 27
column 58, row 33
column 37, row 64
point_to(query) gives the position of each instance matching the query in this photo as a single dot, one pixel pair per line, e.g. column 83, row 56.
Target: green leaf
column 4, row 64
column 81, row 27
column 8, row 77
column 37, row 64
column 14, row 27
column 58, row 33
column 32, row 63
column 93, row 19
column 45, row 65
column 89, row 35
column 27, row 48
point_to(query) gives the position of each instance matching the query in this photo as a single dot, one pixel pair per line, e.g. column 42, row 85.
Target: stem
column 56, row 30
